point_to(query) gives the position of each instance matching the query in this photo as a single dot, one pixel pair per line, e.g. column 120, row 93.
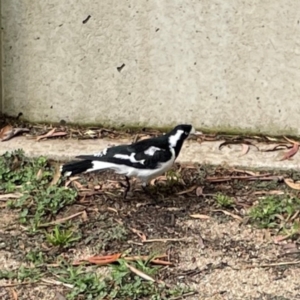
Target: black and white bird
column 146, row 159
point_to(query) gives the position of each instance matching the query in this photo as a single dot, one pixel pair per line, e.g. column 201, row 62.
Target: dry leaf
column 10, row 196
column 139, row 273
column 84, row 216
column 292, row 184
column 187, row 191
column 277, row 147
column 245, row 149
column 51, row 133
column 292, row 152
column 8, row 132
column 291, row 141
column 236, row 142
column 199, row 216
column 273, row 192
column 71, row 180
column 246, row 172
column 280, row 238
column 39, row 174
column 141, row 235
column 229, row 214
column 199, row 191
column 56, row 176
column 14, row 294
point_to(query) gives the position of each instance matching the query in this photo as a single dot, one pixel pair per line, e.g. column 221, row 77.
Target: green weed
column 31, row 178
column 121, row 284
column 61, row 237
column 266, row 212
column 223, row 200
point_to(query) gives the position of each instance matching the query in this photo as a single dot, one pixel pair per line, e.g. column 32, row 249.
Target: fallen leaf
column 291, row 141
column 100, row 260
column 187, row 191
column 141, row 235
column 290, row 182
column 199, row 191
column 229, row 214
column 246, row 172
column 56, row 176
column 277, row 147
column 236, row 142
column 39, row 174
column 280, row 238
column 245, row 149
column 199, row 216
column 271, row 138
column 14, row 294
column 10, row 196
column 50, row 134
column 79, row 186
column 71, row 180
column 62, row 220
column 8, row 132
column 84, row 216
column 273, row 192
column 292, row 152
column 139, row 273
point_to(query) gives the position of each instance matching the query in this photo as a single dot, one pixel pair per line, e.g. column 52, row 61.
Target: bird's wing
column 160, row 142
column 138, row 155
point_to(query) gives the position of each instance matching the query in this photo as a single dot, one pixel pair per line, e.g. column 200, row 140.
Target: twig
column 61, row 220
column 229, row 214
column 164, row 240
column 56, row 282
column 17, row 284
column 284, row 263
column 250, row 178
column 139, row 273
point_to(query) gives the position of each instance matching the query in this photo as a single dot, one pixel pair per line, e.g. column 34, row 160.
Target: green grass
column 266, row 213
column 223, row 200
column 40, row 201
column 121, row 284
column 62, row 237
column 39, row 204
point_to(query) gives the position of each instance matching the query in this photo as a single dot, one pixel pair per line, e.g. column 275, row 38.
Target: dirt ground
column 215, row 250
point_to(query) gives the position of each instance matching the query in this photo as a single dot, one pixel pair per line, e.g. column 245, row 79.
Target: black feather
column 76, row 167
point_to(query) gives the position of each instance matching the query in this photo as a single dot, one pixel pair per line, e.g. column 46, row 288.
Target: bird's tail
column 76, row 167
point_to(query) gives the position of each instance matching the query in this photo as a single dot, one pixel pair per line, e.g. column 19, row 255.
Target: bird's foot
column 148, row 192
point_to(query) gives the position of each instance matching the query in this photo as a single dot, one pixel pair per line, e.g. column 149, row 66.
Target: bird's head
column 179, row 134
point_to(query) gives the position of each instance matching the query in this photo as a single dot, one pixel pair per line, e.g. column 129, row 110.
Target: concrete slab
column 192, row 152
column 221, row 65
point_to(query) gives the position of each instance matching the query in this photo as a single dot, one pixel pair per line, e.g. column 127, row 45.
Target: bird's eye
column 186, row 133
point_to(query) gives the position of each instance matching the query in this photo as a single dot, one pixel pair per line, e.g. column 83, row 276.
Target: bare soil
column 219, row 253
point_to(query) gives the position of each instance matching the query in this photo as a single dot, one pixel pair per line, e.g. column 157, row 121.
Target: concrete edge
column 192, row 152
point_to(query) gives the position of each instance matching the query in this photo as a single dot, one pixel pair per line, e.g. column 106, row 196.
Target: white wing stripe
column 130, row 158
column 151, row 150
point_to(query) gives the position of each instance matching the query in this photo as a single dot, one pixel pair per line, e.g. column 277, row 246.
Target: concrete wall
column 219, row 64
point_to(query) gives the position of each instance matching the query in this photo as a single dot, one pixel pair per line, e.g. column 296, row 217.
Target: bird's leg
column 127, row 187
column 146, row 190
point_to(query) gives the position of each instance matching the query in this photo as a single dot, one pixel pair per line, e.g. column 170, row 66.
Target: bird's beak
column 194, row 133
